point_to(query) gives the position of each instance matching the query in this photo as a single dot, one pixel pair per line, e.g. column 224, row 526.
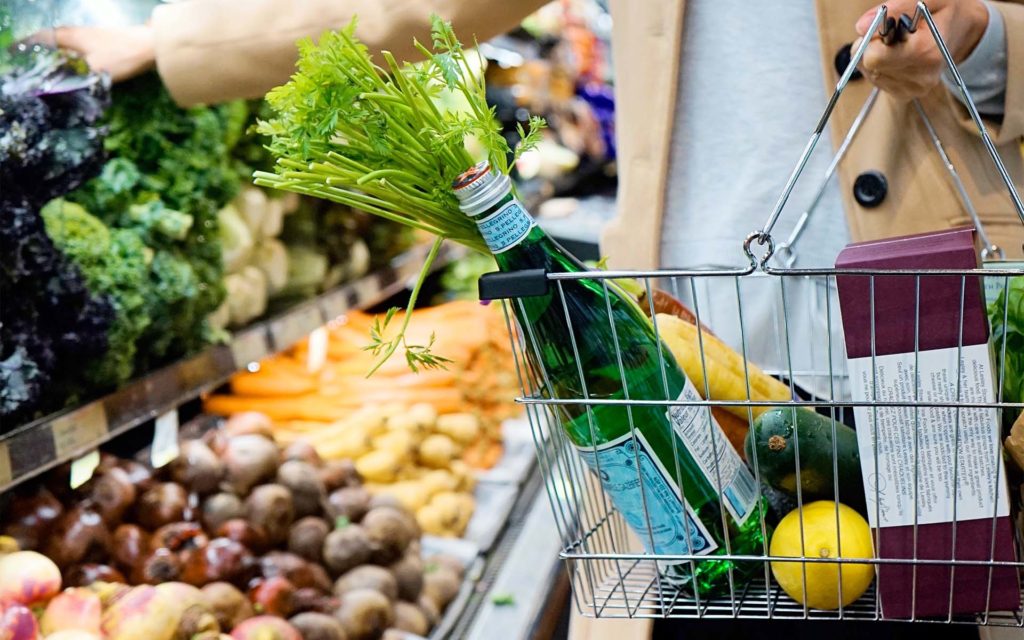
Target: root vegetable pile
column 237, row 536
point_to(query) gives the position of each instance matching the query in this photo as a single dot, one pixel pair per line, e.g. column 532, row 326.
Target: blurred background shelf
column 44, row 443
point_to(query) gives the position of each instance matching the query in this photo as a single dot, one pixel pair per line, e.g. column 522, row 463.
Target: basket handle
column 889, row 30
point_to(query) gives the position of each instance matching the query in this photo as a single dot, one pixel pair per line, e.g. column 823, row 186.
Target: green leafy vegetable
column 376, row 138
column 114, row 262
column 1006, row 315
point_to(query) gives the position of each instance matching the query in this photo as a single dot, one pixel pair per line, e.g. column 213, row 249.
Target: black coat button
column 842, row 60
column 870, row 188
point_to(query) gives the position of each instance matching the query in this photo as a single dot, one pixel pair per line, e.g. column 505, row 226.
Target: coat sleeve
column 214, row 50
column 1012, row 126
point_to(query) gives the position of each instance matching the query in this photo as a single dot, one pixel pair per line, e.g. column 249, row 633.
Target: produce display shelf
column 30, row 449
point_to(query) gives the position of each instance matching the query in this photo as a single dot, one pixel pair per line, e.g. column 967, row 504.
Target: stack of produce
column 236, row 535
column 52, row 314
column 169, row 174
column 414, row 436
column 255, row 261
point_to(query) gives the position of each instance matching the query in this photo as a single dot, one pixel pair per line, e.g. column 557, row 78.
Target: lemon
column 822, row 539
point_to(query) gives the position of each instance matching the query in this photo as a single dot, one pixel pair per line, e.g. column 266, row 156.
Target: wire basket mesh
column 942, row 546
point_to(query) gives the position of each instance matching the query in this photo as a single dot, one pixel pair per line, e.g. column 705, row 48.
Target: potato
column 439, row 480
column 318, row 626
column 409, row 617
column 441, row 586
column 303, row 480
column 432, row 520
column 368, row 576
column 349, row 502
column 350, row 443
column 437, row 451
column 408, row 495
column 390, row 531
column 346, row 548
column 400, row 443
column 460, row 427
column 408, row 574
column 424, row 413
column 405, row 423
column 365, row 614
column 269, row 507
column 378, row 466
column 465, row 475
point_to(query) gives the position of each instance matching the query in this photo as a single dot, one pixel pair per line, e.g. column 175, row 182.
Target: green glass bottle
column 671, row 454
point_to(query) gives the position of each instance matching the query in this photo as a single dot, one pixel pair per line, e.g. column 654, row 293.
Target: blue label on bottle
column 506, row 227
column 647, row 497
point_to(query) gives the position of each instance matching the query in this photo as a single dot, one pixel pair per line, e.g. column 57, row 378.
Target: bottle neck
column 505, row 224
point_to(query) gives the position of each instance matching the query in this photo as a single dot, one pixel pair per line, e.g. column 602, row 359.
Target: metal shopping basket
column 611, row 575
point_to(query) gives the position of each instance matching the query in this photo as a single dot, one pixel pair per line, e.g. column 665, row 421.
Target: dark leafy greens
column 50, row 141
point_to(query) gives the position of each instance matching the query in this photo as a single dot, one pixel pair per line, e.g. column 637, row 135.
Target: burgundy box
column 939, row 588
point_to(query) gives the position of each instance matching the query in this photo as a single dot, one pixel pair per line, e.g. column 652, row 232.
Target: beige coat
column 209, row 50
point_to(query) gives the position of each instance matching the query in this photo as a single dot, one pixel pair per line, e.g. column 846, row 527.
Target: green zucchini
column 775, row 438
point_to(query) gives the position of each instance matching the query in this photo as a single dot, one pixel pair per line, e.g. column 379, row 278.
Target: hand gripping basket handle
column 884, row 28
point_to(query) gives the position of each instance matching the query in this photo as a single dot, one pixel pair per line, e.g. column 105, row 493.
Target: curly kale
column 49, row 139
column 114, row 263
column 170, row 172
column 49, row 143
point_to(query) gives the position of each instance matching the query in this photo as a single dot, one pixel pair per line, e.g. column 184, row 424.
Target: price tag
column 295, row 326
column 79, row 429
column 316, row 355
column 249, row 346
column 83, row 468
column 995, row 285
column 5, row 465
column 165, row 440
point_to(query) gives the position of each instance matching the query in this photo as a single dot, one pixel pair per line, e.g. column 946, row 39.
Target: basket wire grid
column 612, row 577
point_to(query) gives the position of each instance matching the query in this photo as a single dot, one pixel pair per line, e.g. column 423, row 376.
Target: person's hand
column 912, row 68
column 123, row 52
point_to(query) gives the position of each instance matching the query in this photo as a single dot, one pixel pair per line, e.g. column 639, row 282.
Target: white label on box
column 974, row 445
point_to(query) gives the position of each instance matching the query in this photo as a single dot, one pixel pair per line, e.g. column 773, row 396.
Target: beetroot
column 163, row 504
column 250, row 459
column 79, row 535
column 222, row 560
column 112, row 493
column 219, row 508
column 317, row 626
column 161, row 565
column 306, row 538
column 178, row 536
column 244, row 532
column 129, row 544
column 304, row 451
column 29, row 518
column 197, row 467
column 228, row 604
column 82, row 575
column 274, row 596
column 28, row 578
column 270, row 508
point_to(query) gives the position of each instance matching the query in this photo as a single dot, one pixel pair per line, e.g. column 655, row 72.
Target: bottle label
column 648, row 498
column 721, row 465
column 506, row 227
